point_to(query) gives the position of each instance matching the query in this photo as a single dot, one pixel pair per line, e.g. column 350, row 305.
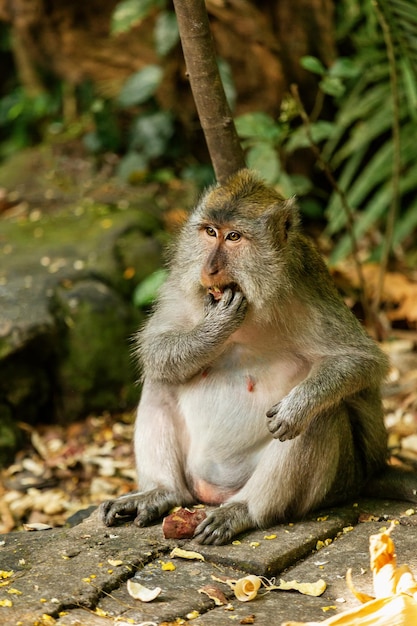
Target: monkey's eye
column 210, row 231
column 233, row 236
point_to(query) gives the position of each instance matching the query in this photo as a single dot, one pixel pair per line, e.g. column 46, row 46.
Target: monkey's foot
column 142, row 507
column 223, row 524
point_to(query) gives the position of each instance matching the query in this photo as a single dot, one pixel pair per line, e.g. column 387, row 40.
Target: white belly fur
column 224, row 410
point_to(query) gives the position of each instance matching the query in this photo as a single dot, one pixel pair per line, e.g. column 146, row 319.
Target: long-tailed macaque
column 261, row 390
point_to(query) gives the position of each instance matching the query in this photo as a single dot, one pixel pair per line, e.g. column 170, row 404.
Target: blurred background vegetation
column 98, row 128
column 108, row 76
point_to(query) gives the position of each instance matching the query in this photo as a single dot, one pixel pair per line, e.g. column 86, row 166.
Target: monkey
column 261, row 389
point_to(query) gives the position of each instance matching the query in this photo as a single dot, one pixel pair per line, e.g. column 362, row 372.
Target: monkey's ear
column 282, row 219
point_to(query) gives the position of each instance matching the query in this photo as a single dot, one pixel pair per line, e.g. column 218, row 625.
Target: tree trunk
column 213, row 110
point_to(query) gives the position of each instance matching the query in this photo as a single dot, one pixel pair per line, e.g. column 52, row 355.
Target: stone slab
column 77, row 576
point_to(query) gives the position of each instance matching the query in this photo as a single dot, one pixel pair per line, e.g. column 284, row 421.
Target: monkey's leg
column 160, row 437
column 291, row 479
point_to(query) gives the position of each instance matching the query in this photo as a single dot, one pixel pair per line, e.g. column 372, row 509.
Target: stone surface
column 73, row 247
column 77, row 576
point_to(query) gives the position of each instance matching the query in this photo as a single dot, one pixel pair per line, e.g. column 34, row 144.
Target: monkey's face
column 237, row 238
column 224, row 249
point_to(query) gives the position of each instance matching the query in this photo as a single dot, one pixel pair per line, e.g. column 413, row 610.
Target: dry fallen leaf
column 36, row 526
column 214, row 593
column 139, row 592
column 246, row 588
column 308, row 589
column 399, row 291
column 186, row 554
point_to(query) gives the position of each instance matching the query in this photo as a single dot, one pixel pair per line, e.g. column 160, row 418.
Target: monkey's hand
column 224, row 316
column 288, row 418
column 223, row 524
column 142, row 507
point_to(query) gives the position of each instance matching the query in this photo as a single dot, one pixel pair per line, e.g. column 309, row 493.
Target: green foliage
column 356, row 141
column 128, row 13
column 22, row 116
column 106, row 135
column 149, row 139
column 140, row 86
column 332, row 78
column 269, row 142
column 151, row 135
column 360, row 150
column 261, row 137
column 166, row 32
column 146, row 292
column 228, row 82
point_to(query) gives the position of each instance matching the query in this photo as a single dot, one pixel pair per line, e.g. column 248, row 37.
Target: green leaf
column 333, row 86
column 410, row 87
column 228, row 82
column 344, row 68
column 151, row 133
column 264, row 158
column 406, row 225
column 311, row 208
column 131, row 165
column 129, row 12
column 147, row 291
column 166, row 32
column 92, row 142
column 258, row 125
column 320, row 131
column 300, row 185
column 140, row 86
column 312, row 64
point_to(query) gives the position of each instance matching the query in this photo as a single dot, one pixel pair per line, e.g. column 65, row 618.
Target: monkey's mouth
column 218, row 290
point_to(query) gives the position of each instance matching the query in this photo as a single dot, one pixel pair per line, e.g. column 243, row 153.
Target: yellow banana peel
column 395, row 588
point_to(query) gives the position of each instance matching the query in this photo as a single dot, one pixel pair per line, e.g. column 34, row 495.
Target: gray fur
column 264, row 399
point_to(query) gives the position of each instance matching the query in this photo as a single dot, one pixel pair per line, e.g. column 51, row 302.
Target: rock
column 9, row 435
column 95, row 369
column 73, row 248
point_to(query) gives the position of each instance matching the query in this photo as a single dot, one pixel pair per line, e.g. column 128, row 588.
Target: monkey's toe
column 223, row 524
column 116, row 511
column 105, row 512
column 213, row 532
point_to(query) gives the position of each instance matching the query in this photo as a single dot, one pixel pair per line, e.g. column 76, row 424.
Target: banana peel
column 395, row 588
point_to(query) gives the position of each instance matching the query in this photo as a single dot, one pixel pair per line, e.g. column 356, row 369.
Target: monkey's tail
column 393, row 484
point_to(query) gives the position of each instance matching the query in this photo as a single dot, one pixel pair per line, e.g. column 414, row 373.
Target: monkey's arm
column 176, row 355
column 331, row 380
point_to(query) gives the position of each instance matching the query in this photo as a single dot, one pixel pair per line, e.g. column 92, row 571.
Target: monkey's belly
column 210, row 494
column 227, row 433
column 224, row 412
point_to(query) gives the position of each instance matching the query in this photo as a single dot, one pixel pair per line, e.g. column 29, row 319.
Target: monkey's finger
column 240, row 299
column 278, row 429
column 282, row 430
column 104, row 510
column 111, row 511
column 209, row 300
column 227, row 296
column 272, row 411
